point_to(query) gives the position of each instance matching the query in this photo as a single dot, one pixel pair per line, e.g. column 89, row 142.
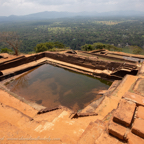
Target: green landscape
column 87, row 33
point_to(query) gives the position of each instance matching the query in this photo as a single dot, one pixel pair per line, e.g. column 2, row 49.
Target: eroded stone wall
column 20, row 61
column 88, row 62
column 73, row 59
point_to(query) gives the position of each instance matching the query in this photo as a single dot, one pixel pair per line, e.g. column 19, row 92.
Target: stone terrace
column 119, row 119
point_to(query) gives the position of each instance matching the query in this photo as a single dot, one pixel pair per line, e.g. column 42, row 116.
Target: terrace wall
column 73, row 59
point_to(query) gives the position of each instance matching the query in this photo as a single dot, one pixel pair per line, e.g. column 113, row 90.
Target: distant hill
column 122, row 13
column 54, row 15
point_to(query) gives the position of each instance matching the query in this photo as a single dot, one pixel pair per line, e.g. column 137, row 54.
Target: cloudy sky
column 23, row 7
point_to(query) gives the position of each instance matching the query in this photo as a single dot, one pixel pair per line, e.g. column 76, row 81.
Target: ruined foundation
column 117, row 117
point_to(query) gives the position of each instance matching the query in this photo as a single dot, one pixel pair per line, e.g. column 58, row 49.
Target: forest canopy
column 114, row 32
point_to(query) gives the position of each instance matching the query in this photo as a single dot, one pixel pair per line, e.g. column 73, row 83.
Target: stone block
column 124, row 113
column 138, row 127
column 133, row 139
column 140, row 112
column 117, row 130
column 138, row 99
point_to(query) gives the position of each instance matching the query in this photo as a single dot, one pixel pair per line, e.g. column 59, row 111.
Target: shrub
column 48, row 46
column 6, row 50
column 41, row 47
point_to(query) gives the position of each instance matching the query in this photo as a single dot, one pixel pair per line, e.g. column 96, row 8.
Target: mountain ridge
column 54, row 15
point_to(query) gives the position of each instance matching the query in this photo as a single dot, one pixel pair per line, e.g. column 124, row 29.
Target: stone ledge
column 106, row 139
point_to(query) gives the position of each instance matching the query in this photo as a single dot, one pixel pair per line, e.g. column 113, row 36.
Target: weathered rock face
column 71, row 52
column 20, row 60
column 4, row 55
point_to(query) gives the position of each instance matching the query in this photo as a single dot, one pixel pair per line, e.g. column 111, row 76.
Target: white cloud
column 22, row 7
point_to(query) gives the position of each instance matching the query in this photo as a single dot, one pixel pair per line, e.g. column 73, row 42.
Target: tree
column 11, row 39
column 48, row 46
column 137, row 50
column 41, row 47
column 87, row 47
column 99, row 45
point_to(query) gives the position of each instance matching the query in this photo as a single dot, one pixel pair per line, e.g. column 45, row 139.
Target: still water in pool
column 52, row 86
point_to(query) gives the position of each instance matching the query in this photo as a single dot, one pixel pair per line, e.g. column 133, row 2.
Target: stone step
column 55, row 129
column 133, row 139
column 124, row 113
column 113, row 87
column 138, row 99
column 27, row 124
column 11, row 134
column 12, row 115
column 17, row 118
column 92, row 132
column 49, row 116
column 93, row 106
column 33, row 128
column 138, row 127
column 117, row 130
column 106, row 139
column 11, row 101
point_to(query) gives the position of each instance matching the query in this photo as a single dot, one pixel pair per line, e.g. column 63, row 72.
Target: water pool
column 51, row 86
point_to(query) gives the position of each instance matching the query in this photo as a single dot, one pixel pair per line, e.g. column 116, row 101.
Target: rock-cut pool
column 51, row 86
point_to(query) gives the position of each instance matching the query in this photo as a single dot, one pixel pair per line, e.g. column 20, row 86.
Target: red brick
column 117, row 130
column 124, row 113
column 140, row 112
column 106, row 139
column 138, row 99
column 138, row 127
column 133, row 139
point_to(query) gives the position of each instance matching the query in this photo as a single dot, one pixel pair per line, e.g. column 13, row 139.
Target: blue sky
column 23, row 7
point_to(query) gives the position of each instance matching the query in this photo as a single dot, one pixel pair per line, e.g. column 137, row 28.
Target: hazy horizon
column 91, row 12
column 25, row 7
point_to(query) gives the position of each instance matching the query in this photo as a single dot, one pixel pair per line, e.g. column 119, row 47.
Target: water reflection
column 52, row 86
